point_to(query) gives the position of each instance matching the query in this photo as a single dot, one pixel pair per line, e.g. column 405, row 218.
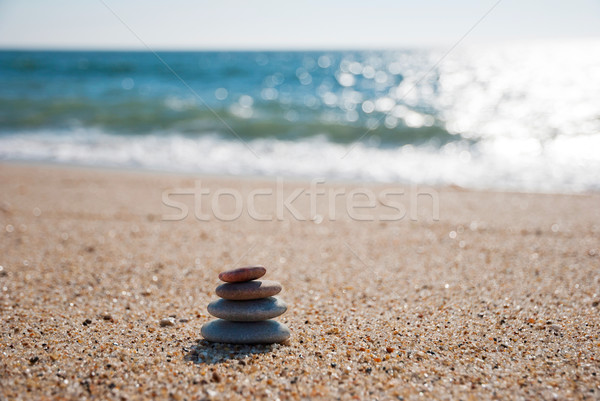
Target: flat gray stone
column 254, row 289
column 247, row 311
column 265, row 332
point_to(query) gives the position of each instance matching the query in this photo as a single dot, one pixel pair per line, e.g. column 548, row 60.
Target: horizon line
column 293, row 48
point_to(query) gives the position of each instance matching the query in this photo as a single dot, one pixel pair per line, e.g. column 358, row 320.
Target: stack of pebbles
column 244, row 311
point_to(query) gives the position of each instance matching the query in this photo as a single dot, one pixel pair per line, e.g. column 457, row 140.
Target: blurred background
column 487, row 94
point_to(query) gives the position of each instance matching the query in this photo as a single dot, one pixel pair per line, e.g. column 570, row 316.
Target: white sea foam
column 562, row 164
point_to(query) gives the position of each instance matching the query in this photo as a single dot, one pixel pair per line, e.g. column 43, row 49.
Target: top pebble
column 242, row 274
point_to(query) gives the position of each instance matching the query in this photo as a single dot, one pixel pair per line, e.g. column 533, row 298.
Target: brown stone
column 242, row 274
column 254, row 289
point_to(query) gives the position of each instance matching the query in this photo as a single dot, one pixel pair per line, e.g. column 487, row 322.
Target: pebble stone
column 247, row 311
column 265, row 332
column 168, row 321
column 254, row 289
column 242, row 274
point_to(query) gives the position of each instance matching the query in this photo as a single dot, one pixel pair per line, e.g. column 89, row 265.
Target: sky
column 272, row 24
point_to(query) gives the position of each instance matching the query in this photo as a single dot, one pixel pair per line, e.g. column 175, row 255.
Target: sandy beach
column 496, row 299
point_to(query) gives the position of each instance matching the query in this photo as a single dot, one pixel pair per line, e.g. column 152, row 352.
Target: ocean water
column 524, row 116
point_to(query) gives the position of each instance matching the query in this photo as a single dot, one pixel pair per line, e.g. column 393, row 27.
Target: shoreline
column 496, row 299
column 287, row 179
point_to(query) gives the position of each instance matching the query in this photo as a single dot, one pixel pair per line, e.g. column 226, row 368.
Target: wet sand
column 499, row 298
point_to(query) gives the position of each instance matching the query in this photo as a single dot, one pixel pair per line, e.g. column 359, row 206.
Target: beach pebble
column 555, row 327
column 242, row 274
column 265, row 332
column 247, row 311
column 168, row 321
column 248, row 290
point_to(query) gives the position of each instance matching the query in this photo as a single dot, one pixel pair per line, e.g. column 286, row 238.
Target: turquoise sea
column 522, row 116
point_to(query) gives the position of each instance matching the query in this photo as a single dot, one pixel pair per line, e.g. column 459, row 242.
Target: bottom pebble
column 265, row 332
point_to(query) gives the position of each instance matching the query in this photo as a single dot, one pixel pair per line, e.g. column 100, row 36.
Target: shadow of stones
column 208, row 353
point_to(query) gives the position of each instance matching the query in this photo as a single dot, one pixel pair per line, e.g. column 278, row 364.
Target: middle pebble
column 247, row 311
column 254, row 289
